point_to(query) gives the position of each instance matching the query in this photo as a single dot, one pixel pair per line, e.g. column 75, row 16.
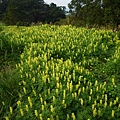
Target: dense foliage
column 24, row 12
column 95, row 13
column 63, row 73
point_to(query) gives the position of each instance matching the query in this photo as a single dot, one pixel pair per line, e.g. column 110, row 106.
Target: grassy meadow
column 59, row 73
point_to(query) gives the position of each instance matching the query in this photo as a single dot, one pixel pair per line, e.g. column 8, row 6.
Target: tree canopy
column 27, row 11
column 95, row 12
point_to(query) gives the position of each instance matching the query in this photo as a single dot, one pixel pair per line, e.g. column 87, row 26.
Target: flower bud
column 36, row 113
column 110, row 103
column 113, row 112
column 21, row 112
column 73, row 116
column 26, row 107
column 42, row 107
column 11, row 110
column 6, row 118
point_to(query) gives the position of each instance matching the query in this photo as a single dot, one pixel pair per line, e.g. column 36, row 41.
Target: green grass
column 9, row 87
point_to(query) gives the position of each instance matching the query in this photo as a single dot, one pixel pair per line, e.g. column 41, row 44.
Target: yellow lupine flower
column 60, row 86
column 75, row 94
column 113, row 81
column 41, row 117
column 43, row 107
column 64, row 94
column 33, row 79
column 65, row 105
column 57, row 117
column 90, row 91
column 95, row 102
column 83, row 89
column 90, row 84
column 36, row 113
column 7, row 118
column 34, row 92
column 24, row 83
column 100, row 85
column 68, row 116
column 21, row 112
column 71, row 86
column 72, row 95
column 63, row 102
column 113, row 112
column 41, row 100
column 94, row 112
column 27, row 75
column 57, row 91
column 26, row 107
column 44, row 79
column 11, row 110
column 31, row 104
column 77, row 86
column 3, row 102
column 29, row 100
column 57, row 79
column 89, row 98
column 105, row 97
column 96, row 82
column 97, row 88
column 84, row 80
column 79, row 91
column 45, row 103
column 73, row 116
column 105, row 104
column 119, row 106
column 51, row 108
column 24, row 89
column 68, row 85
column 110, row 103
column 18, row 102
column 81, row 101
column 97, row 97
column 48, row 91
column 101, row 101
column 117, row 99
column 53, row 98
column 93, row 106
column 115, row 102
column 99, row 112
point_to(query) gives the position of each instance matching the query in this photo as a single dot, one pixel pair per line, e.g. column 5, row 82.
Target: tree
column 23, row 11
column 28, row 11
column 96, row 12
column 112, row 12
column 56, row 13
column 3, row 7
column 86, row 12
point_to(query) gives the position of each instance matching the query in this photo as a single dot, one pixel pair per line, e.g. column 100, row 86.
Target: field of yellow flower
column 64, row 73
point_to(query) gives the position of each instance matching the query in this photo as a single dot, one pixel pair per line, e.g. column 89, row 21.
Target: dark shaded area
column 25, row 12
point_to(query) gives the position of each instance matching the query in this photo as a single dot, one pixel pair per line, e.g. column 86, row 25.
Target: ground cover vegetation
column 53, row 72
